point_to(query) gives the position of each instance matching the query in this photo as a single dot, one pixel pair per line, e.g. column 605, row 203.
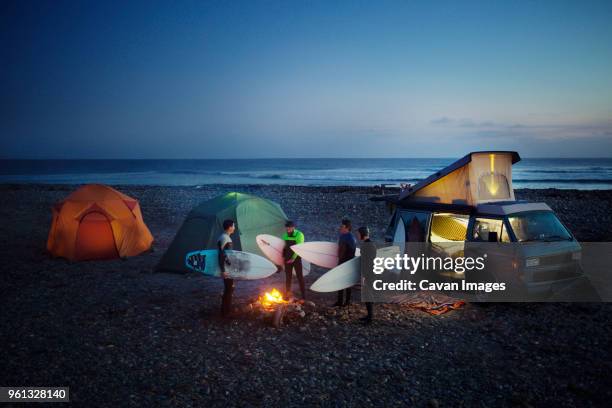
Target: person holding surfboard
column 293, row 236
column 224, row 243
column 368, row 253
column 347, row 245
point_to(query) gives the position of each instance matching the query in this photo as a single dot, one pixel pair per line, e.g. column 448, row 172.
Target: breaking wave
column 529, row 173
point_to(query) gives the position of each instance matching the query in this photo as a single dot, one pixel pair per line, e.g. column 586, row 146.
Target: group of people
column 347, row 246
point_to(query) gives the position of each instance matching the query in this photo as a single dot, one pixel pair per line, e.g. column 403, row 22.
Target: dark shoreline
column 119, row 333
column 587, row 213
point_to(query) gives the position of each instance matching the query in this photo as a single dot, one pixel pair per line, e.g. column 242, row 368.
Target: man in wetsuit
column 346, row 251
column 293, row 236
column 224, row 243
column 368, row 253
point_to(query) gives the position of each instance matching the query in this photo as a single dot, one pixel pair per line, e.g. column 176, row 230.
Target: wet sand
column 119, row 333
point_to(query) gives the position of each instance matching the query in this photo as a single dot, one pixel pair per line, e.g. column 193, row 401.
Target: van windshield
column 538, row 226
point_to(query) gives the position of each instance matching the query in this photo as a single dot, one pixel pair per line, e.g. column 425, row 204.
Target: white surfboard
column 273, row 247
column 322, row 253
column 348, row 273
column 243, row 265
column 400, row 236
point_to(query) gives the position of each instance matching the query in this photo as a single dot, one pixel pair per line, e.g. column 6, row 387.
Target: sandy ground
column 120, row 334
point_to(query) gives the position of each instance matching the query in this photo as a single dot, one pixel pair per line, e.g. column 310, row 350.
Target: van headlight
column 576, row 256
column 531, row 262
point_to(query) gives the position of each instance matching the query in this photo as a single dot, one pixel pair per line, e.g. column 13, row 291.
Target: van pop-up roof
column 478, row 177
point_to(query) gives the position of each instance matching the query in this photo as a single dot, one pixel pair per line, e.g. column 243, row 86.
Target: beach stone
column 184, row 341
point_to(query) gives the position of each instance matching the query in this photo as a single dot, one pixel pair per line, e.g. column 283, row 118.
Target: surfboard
column 322, row 253
column 243, row 265
column 448, row 229
column 348, row 273
column 273, row 247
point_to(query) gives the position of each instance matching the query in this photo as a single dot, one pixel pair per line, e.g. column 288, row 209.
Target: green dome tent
column 200, row 230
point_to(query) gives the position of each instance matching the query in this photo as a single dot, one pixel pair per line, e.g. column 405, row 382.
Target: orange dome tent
column 98, row 222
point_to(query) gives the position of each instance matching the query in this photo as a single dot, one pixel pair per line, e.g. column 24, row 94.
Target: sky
column 262, row 79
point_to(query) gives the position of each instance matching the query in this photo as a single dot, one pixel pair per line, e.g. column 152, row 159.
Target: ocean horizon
column 563, row 173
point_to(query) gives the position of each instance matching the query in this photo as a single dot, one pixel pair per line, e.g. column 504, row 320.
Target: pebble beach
column 120, row 333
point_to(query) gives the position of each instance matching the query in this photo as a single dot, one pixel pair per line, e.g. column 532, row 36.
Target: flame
column 271, row 299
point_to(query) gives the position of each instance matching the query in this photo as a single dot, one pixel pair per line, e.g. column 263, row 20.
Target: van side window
column 483, row 226
column 415, row 224
column 504, row 236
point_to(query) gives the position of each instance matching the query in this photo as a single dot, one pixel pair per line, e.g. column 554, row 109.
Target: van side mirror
column 492, row 236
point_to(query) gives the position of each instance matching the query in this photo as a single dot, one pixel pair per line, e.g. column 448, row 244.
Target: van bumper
column 573, row 289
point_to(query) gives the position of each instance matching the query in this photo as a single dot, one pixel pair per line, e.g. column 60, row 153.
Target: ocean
column 528, row 173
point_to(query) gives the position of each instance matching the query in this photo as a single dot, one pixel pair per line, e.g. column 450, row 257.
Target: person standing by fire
column 223, row 244
column 368, row 253
column 347, row 245
column 293, row 236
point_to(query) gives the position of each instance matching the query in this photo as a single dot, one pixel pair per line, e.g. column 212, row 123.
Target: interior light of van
column 531, row 262
column 493, row 187
column 576, row 256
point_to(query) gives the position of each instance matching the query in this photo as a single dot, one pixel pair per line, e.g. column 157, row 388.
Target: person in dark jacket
column 368, row 253
column 293, row 236
column 223, row 244
column 346, row 251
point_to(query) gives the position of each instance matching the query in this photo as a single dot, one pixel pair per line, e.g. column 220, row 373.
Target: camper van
column 472, row 201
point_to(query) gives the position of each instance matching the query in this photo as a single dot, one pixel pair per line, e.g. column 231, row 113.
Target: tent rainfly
column 478, row 177
column 98, row 222
column 201, row 229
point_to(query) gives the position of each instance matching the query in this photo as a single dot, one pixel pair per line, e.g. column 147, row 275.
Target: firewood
column 277, row 320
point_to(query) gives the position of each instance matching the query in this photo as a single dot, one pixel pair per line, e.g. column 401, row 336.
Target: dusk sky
column 304, row 79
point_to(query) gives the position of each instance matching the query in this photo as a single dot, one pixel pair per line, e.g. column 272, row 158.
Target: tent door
column 95, row 238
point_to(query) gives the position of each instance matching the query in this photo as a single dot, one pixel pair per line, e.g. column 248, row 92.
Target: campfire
column 271, row 306
column 270, row 300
